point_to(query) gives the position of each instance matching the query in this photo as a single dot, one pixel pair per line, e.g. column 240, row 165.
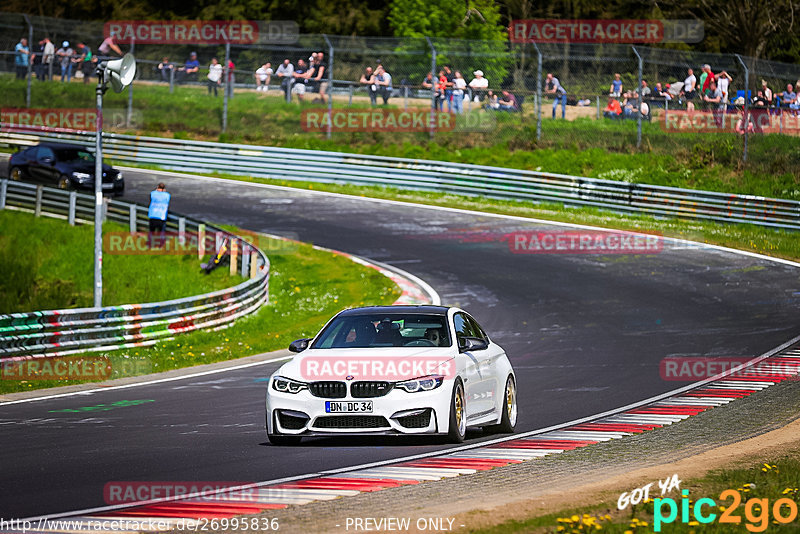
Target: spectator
column 479, row 85
column 689, row 89
column 190, row 69
column 383, row 81
column 554, row 87
column 508, row 102
column 263, row 75
column 448, row 91
column 788, row 98
column 108, row 45
column 165, row 68
column 64, row 56
column 712, row 97
column 706, row 78
column 285, row 72
column 441, row 86
column 459, row 84
column 612, row 110
column 22, row 58
column 231, row 76
column 83, row 61
column 368, row 79
column 760, row 100
column 214, row 76
column 301, row 75
column 768, row 96
column 723, row 83
column 320, row 77
column 45, row 56
column 616, row 86
column 645, row 90
column 157, row 212
column 494, row 102
column 427, row 83
column 660, row 94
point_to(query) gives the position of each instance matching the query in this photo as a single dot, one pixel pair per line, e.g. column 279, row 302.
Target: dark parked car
column 64, row 166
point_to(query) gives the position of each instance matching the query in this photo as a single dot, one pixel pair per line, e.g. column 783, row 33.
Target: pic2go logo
column 756, row 511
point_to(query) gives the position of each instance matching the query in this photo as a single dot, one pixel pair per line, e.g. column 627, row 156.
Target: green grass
column 775, row 478
column 586, row 147
column 46, row 264
column 307, row 287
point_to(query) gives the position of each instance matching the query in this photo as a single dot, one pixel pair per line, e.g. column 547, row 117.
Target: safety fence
column 69, row 331
column 438, row 176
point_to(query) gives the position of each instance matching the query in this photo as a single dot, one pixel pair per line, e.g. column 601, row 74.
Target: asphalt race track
column 585, row 333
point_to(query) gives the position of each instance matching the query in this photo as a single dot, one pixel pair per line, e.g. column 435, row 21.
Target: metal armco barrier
column 60, row 332
column 459, row 178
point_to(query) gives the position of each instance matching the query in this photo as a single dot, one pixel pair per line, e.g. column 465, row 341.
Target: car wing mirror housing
column 469, row 344
column 299, row 345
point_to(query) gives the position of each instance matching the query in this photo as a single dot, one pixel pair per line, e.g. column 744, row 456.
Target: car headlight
column 81, row 176
column 287, row 385
column 426, row 383
column 119, row 176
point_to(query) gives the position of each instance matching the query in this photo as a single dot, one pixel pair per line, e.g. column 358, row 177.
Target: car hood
column 88, row 168
column 386, row 363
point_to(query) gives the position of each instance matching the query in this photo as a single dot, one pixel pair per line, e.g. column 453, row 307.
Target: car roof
column 62, row 146
column 407, row 309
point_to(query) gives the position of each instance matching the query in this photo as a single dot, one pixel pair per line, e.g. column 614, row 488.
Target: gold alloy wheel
column 459, row 410
column 511, row 402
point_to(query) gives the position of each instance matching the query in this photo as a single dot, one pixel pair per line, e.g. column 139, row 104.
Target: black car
column 64, row 166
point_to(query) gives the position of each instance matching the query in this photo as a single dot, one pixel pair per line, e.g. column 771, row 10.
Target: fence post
column 598, row 107
column 330, row 86
column 73, row 201
column 234, row 256
column 639, row 100
column 245, row 260
column 172, row 80
column 132, row 226
column 129, row 114
column 3, row 193
column 38, row 206
column 350, row 102
column 253, row 265
column 746, row 105
column 433, row 86
column 225, row 88
column 201, row 241
column 30, row 66
column 538, row 94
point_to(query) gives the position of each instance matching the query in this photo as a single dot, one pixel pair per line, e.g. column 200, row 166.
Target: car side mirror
column 469, row 344
column 299, row 345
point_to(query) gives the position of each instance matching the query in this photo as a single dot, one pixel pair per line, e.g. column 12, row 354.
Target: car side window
column 463, row 326
column 45, row 152
column 477, row 328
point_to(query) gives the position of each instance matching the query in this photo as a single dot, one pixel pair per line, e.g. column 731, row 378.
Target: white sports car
column 393, row 370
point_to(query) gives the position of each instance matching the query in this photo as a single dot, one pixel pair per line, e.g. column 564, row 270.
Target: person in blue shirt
column 159, row 205
column 22, row 58
column 554, row 87
column 189, row 71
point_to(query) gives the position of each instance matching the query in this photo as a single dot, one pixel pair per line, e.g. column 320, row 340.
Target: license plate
column 108, row 186
column 348, row 407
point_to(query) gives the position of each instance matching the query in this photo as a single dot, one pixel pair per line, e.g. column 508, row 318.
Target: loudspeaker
column 120, row 72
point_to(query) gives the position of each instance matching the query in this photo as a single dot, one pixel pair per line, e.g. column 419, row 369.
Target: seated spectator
column 493, row 101
column 189, row 71
column 214, row 76
column 768, row 96
column 83, row 61
column 616, row 86
column 263, row 75
column 479, row 86
column 660, row 95
column 368, row 79
column 285, row 73
column 301, row 75
column 64, row 57
column 508, row 102
column 760, row 100
column 383, row 81
column 645, row 90
column 612, row 110
column 108, row 45
column 166, row 69
column 788, row 98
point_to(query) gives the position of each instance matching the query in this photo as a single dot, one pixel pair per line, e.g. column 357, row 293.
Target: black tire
column 16, row 174
column 281, row 439
column 508, row 421
column 457, row 428
column 64, row 182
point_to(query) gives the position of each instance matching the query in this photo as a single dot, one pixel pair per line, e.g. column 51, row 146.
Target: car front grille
column 416, row 421
column 351, row 421
column 366, row 390
column 328, row 390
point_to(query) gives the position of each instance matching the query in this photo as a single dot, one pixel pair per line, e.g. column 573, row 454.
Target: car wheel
column 16, row 174
column 280, row 439
column 458, row 414
column 64, row 182
column 508, row 420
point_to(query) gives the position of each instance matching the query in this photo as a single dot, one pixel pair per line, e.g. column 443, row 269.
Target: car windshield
column 384, row 330
column 75, row 156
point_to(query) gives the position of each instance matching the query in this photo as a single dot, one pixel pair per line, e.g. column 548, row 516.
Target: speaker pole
column 98, row 189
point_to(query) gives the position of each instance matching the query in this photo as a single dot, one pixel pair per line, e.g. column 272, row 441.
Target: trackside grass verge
column 767, row 482
column 748, row 237
column 307, row 287
column 46, row 264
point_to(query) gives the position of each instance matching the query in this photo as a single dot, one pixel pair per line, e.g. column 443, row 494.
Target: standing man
column 21, row 58
column 320, row 72
column 64, row 55
column 157, row 213
column 554, row 87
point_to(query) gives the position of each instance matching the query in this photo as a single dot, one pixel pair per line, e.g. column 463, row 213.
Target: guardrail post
column 3, row 193
column 38, row 206
column 181, row 230
column 350, row 101
column 171, row 80
column 73, row 201
column 245, row 260
column 132, row 227
column 234, row 256
column 201, row 241
column 253, row 264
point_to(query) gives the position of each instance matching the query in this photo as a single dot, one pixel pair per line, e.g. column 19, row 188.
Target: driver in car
column 434, row 335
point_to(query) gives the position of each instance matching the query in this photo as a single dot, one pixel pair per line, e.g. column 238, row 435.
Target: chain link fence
column 455, row 92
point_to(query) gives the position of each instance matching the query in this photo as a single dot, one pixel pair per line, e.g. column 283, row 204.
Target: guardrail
column 439, row 176
column 60, row 332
